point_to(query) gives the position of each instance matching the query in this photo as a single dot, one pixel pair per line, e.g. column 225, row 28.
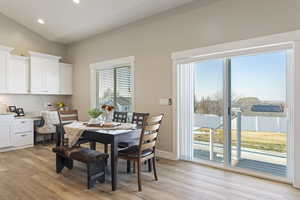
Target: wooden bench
column 94, row 160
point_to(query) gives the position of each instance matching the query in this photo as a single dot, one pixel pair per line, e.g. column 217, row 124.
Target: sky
column 260, row 75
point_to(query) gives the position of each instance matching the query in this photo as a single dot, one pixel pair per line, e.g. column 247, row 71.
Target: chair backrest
column 149, row 133
column 50, row 118
column 139, row 118
column 67, row 116
column 120, row 117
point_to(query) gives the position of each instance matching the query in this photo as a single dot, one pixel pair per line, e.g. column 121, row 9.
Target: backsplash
column 33, row 103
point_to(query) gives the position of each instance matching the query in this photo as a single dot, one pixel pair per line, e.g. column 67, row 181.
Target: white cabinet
column 44, row 73
column 17, row 75
column 22, row 133
column 4, row 62
column 5, row 130
column 65, row 82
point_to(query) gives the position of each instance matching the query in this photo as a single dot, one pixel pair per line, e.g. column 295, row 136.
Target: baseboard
column 166, row 155
column 15, row 148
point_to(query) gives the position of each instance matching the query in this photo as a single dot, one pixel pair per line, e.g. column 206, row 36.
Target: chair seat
column 84, row 155
column 133, row 152
column 127, row 144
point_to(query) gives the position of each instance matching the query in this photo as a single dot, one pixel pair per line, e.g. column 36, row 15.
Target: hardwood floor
column 30, row 175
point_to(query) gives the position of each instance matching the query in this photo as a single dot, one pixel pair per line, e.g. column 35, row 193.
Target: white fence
column 249, row 123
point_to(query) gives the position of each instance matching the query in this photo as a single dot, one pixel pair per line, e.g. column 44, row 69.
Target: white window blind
column 185, row 108
column 114, row 87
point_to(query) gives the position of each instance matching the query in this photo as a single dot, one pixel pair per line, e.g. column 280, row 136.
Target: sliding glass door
column 240, row 116
column 208, row 134
column 258, row 108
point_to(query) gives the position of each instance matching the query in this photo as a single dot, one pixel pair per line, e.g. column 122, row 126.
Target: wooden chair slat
column 68, row 112
column 74, row 118
column 155, row 119
column 146, row 146
column 150, row 137
column 151, row 127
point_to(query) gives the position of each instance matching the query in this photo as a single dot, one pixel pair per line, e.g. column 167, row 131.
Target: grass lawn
column 268, row 141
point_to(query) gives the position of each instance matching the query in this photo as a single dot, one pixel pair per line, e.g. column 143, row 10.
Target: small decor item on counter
column 12, row 109
column 108, row 112
column 61, row 105
column 94, row 114
column 20, row 112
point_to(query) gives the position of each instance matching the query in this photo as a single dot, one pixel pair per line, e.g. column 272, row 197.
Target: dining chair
column 145, row 150
column 138, row 119
column 120, row 117
column 48, row 129
column 67, row 117
column 117, row 117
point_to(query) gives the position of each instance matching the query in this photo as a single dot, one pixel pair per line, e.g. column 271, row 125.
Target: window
column 112, row 84
column 114, row 88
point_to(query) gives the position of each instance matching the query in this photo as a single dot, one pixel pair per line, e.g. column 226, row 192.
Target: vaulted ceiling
column 67, row 22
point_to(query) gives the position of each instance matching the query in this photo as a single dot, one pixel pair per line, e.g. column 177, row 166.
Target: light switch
column 164, row 101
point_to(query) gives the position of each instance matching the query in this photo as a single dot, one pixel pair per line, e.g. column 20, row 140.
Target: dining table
column 108, row 137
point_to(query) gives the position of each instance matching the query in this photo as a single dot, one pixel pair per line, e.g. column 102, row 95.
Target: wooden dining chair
column 138, row 119
column 146, row 149
column 67, row 117
column 120, row 117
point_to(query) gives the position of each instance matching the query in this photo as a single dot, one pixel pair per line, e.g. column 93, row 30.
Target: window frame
column 110, row 64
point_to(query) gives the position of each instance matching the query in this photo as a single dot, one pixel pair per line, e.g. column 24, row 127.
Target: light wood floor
column 30, row 175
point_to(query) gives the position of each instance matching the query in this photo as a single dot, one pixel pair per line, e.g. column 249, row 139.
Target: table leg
column 114, row 164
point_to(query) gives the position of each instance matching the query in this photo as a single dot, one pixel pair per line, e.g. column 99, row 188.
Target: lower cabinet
column 15, row 133
column 22, row 133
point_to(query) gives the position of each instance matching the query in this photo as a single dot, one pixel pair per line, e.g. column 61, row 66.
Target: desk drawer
column 22, row 139
column 22, row 126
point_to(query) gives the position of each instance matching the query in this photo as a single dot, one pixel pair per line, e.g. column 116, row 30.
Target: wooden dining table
column 112, row 137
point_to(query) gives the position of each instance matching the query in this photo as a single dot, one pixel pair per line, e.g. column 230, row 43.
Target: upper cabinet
column 44, row 74
column 4, row 63
column 18, row 75
column 37, row 74
column 65, row 82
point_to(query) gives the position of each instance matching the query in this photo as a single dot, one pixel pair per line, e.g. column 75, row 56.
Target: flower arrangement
column 108, row 112
column 107, row 108
column 94, row 113
column 60, row 105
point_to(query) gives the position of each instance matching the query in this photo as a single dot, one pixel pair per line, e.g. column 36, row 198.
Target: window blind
column 114, row 87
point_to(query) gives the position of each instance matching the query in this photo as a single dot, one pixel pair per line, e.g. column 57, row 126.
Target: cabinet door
column 52, row 77
column 18, row 75
column 66, row 71
column 5, row 135
column 37, row 78
column 3, row 73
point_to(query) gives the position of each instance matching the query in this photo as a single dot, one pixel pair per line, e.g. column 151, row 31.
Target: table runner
column 75, row 129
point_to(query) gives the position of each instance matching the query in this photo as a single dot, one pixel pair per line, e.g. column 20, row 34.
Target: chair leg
column 149, row 165
column 134, row 167
column 92, row 145
column 59, row 163
column 154, row 168
column 128, row 166
column 139, row 174
column 105, row 148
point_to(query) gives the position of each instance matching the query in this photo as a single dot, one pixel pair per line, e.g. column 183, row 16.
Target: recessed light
column 76, row 1
column 41, row 21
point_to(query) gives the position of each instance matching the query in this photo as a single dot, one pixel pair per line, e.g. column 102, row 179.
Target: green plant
column 94, row 113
